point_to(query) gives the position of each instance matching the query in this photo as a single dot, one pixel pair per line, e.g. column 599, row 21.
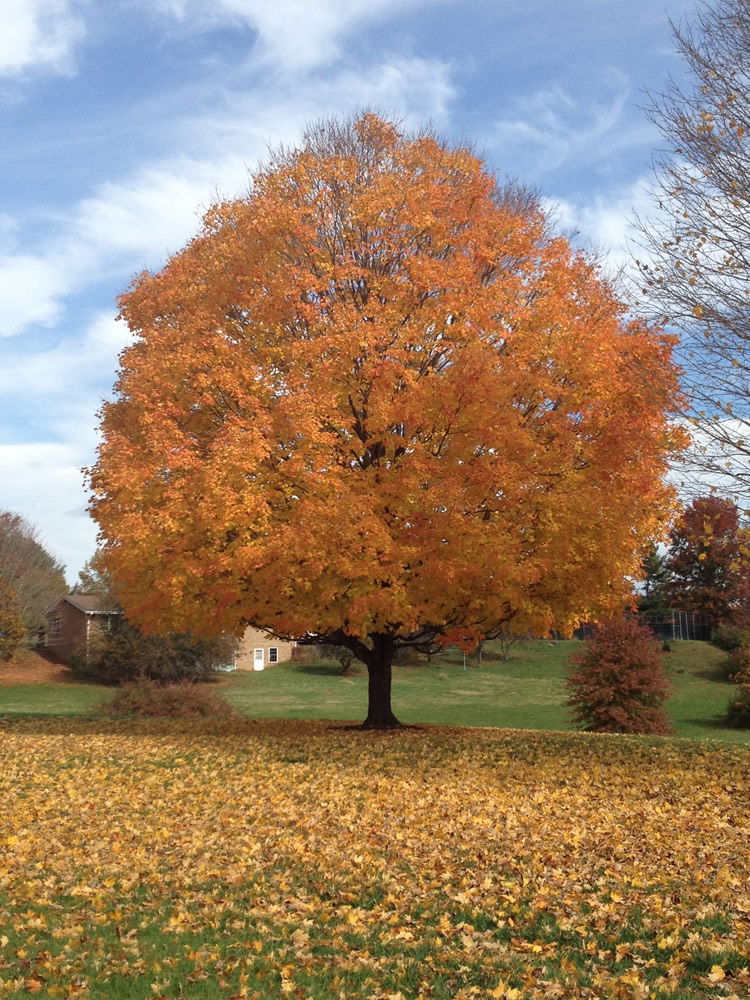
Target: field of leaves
column 272, row 859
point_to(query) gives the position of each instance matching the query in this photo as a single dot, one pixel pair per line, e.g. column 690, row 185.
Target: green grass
column 64, row 699
column 525, row 693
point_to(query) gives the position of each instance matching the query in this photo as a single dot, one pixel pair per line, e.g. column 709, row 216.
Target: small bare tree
column 507, row 640
column 343, row 655
column 695, row 254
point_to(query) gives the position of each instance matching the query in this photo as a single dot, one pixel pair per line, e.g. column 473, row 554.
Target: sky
column 122, row 121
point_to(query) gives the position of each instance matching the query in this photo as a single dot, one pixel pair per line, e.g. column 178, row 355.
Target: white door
column 258, row 659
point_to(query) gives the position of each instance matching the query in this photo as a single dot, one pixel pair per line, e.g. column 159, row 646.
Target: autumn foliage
column 618, row 684
column 263, row 860
column 708, row 564
column 376, row 402
column 11, row 624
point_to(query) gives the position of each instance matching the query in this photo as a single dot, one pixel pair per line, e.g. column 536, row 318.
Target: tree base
column 388, row 722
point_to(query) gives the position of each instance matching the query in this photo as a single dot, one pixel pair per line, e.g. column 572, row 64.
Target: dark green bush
column 126, row 655
column 729, row 637
column 146, row 698
column 738, row 710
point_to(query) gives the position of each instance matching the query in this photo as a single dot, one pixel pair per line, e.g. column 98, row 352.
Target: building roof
column 89, row 604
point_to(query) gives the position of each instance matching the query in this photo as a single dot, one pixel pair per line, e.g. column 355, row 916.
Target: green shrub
column 729, row 638
column 146, row 698
column 619, row 684
column 126, row 655
column 738, row 710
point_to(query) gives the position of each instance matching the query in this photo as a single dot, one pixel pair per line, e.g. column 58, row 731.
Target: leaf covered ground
column 271, row 859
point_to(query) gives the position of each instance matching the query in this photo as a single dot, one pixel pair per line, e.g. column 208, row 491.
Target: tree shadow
column 712, row 722
column 320, row 669
column 34, row 723
column 711, row 674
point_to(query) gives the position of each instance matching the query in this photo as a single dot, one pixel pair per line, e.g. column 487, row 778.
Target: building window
column 273, row 655
column 54, row 625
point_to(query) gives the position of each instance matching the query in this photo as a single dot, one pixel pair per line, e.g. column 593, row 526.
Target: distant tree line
column 30, row 580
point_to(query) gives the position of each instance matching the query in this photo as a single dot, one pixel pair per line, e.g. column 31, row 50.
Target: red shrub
column 618, row 684
column 177, row 701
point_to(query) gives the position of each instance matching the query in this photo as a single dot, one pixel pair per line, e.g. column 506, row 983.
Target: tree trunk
column 379, row 672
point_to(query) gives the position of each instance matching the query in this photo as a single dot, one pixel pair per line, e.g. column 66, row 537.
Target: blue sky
column 121, row 121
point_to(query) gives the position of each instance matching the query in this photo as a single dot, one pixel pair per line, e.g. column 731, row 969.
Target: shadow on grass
column 715, row 674
column 106, row 725
column 714, row 722
column 322, row 670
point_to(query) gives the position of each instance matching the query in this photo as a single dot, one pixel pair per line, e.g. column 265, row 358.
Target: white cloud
column 29, row 291
column 122, row 228
column 716, row 463
column 417, row 90
column 42, row 481
column 606, row 221
column 548, row 126
column 38, row 34
column 8, row 226
column 153, row 212
column 292, row 35
column 72, row 364
column 137, row 221
column 411, row 90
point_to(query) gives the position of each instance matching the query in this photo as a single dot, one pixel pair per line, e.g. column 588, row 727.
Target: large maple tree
column 377, row 403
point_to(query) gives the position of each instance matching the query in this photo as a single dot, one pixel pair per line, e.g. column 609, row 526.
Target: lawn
column 62, row 699
column 256, row 860
column 525, row 693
